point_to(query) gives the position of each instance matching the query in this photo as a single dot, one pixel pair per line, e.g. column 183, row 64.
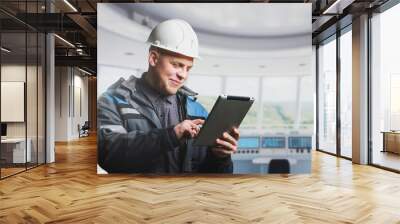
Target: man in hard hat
column 147, row 125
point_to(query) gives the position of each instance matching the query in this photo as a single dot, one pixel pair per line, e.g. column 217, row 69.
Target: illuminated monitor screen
column 299, row 142
column 273, row 142
column 249, row 142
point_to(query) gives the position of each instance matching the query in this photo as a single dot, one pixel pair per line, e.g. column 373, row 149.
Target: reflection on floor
column 10, row 169
column 387, row 159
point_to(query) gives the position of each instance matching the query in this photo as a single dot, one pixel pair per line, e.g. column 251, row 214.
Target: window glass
column 385, row 88
column 327, row 96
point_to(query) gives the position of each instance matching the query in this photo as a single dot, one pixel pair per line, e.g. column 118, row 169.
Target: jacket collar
column 130, row 84
column 136, row 98
column 139, row 101
column 184, row 90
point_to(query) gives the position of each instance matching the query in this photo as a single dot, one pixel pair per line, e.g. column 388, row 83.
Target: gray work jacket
column 132, row 140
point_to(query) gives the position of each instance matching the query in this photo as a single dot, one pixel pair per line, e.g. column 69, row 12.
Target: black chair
column 279, row 166
column 84, row 130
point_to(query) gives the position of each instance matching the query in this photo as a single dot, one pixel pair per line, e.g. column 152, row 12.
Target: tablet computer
column 227, row 112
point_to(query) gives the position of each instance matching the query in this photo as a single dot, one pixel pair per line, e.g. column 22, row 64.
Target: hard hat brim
column 176, row 52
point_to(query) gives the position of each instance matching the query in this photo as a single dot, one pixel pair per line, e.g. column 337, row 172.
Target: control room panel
column 273, row 154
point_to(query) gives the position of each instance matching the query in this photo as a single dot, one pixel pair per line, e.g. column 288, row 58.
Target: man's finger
column 235, row 133
column 198, row 121
column 194, row 126
column 226, row 145
column 227, row 137
column 196, row 130
column 193, row 133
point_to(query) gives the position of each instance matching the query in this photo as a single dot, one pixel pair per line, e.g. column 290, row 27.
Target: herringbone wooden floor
column 70, row 191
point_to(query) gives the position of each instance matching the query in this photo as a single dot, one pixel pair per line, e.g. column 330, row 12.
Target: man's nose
column 182, row 74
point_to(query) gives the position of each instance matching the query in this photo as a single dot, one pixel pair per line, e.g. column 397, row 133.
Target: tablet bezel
column 249, row 100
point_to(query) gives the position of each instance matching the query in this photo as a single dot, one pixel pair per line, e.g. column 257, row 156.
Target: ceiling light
column 65, row 41
column 337, row 7
column 70, row 5
column 5, row 50
column 84, row 71
column 79, row 44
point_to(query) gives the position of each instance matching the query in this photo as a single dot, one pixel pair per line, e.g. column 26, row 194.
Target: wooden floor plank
column 70, row 191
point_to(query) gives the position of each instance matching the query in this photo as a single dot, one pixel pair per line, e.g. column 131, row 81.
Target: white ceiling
column 235, row 39
column 237, row 19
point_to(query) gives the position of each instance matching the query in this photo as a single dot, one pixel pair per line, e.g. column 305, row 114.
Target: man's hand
column 227, row 144
column 188, row 128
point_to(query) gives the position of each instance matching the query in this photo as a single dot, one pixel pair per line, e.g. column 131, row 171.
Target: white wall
column 80, row 110
column 71, row 94
column 61, row 105
column 17, row 73
column 33, row 125
column 14, row 73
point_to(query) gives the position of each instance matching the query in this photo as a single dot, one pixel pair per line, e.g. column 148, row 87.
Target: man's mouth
column 175, row 83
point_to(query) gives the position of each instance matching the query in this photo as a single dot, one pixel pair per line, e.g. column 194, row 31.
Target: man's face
column 170, row 70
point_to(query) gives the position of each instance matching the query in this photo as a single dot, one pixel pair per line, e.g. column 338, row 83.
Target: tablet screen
column 228, row 112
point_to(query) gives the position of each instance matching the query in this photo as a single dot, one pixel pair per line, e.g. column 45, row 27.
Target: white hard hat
column 177, row 36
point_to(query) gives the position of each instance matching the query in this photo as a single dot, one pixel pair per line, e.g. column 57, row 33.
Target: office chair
column 279, row 166
column 84, row 130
